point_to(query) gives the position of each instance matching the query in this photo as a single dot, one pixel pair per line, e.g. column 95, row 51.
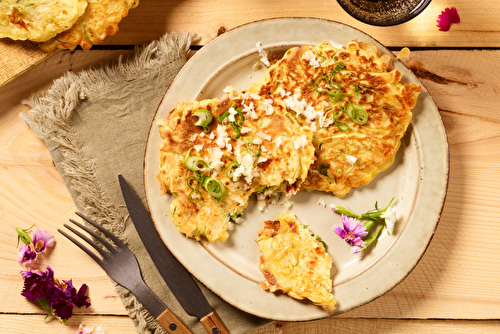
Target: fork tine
column 88, row 240
column 108, row 234
column 82, row 247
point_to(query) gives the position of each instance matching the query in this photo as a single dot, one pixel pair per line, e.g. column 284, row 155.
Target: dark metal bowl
column 383, row 12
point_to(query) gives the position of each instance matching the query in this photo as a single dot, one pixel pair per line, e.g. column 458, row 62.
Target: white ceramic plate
column 418, row 180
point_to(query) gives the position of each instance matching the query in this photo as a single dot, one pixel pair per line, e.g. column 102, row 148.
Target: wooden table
column 455, row 288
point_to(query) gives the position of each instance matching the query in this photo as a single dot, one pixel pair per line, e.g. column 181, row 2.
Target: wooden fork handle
column 172, row 323
column 212, row 322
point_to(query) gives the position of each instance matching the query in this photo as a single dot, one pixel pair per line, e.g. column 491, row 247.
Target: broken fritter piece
column 295, row 262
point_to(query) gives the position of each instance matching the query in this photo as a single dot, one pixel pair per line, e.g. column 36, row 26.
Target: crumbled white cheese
column 211, row 136
column 231, row 92
column 321, row 202
column 249, row 110
column 193, row 137
column 278, row 141
column 232, row 115
column 262, row 135
column 245, row 169
column 300, row 106
column 255, row 96
column 245, row 129
column 263, row 54
column 267, row 106
column 221, row 136
column 284, row 93
column 201, row 134
column 300, row 142
column 198, row 148
column 257, row 141
column 336, row 45
column 311, row 58
column 313, row 126
column 244, row 95
column 351, row 159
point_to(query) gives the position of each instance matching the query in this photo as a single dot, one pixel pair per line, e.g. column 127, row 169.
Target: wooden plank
column 153, row 18
column 24, row 324
column 457, row 278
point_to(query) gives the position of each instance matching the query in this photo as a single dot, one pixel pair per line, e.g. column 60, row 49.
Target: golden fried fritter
column 100, row 19
column 295, row 262
column 39, row 20
column 355, row 104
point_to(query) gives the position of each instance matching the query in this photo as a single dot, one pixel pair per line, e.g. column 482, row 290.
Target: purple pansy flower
column 446, row 18
column 352, row 231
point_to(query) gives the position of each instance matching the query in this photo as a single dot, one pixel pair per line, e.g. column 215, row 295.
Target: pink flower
column 446, row 18
column 89, row 330
column 34, row 245
column 41, row 239
column 26, row 256
column 352, row 231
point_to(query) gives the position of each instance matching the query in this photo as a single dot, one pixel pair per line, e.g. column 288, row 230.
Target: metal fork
column 121, row 265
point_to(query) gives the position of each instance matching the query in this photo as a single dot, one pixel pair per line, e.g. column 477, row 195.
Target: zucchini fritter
column 355, row 104
column 251, row 145
column 295, row 262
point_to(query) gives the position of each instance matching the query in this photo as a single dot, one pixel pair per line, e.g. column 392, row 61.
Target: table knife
column 178, row 279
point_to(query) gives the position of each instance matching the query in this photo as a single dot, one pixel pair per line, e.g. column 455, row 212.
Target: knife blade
column 178, row 279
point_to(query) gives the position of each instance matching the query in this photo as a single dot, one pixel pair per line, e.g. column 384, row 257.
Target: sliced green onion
column 195, row 163
column 340, row 65
column 357, row 113
column 223, row 116
column 257, row 153
column 356, row 91
column 230, row 169
column 320, row 55
column 237, row 130
column 342, row 126
column 361, row 116
column 319, row 90
column 193, row 180
column 204, row 119
column 195, row 196
column 242, row 117
column 214, row 187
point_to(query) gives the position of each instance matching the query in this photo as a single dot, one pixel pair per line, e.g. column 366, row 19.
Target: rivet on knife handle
column 172, row 323
column 213, row 324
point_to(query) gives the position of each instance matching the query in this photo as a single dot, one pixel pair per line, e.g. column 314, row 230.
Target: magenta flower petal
column 41, row 239
column 353, row 227
column 352, row 231
column 26, row 255
column 37, row 284
column 446, row 18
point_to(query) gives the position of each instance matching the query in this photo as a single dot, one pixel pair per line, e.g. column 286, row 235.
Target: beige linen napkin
column 95, row 125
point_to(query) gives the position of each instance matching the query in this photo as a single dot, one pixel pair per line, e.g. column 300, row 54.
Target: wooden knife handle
column 172, row 323
column 213, row 324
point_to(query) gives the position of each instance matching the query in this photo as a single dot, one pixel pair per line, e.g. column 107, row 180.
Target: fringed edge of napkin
column 49, row 118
